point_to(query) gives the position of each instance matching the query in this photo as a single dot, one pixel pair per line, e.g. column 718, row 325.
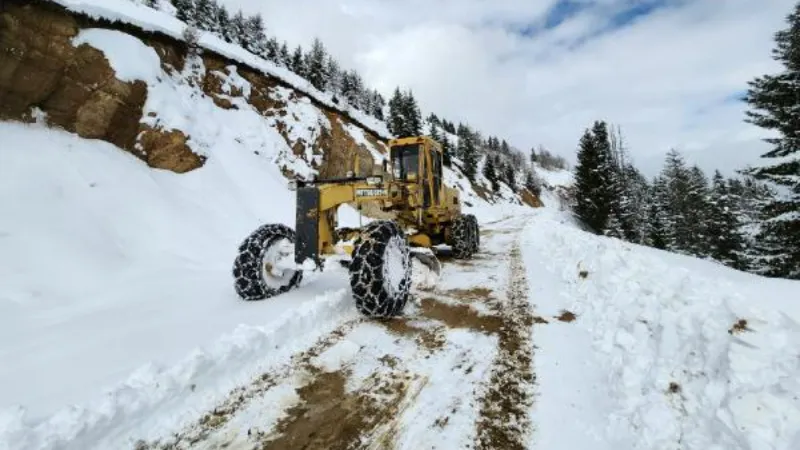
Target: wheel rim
column 395, row 260
column 274, row 276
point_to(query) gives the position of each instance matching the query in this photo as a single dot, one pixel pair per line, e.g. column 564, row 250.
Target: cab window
column 405, row 161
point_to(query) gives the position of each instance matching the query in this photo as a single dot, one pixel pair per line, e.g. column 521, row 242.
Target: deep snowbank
column 649, row 362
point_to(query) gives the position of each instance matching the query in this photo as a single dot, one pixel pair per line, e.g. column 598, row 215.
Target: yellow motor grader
column 271, row 260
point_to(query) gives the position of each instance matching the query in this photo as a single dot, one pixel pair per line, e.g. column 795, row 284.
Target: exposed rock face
column 78, row 91
column 75, row 86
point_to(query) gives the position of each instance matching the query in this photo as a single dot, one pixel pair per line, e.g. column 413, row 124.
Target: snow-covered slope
column 657, row 357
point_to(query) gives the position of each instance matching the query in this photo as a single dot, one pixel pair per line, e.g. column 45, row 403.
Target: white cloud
column 665, row 78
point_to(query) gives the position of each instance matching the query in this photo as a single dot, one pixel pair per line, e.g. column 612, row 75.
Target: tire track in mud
column 504, row 420
column 241, row 397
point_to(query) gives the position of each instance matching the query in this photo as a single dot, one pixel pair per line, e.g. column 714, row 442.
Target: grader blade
column 427, row 258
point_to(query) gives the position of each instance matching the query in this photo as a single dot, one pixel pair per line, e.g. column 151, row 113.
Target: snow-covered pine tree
column 255, row 38
column 225, row 26
column 637, row 187
column 587, row 182
column 316, row 65
column 593, row 183
column 396, row 120
column 774, row 101
column 286, row 57
column 413, row 115
column 490, row 173
column 509, row 176
column 723, row 228
column 621, row 216
column 447, row 151
column 378, row 105
column 468, row 152
column 206, row 16
column 185, row 11
column 658, row 222
column 334, row 72
column 238, row 30
column 274, row 50
column 297, row 64
column 696, row 209
column 532, row 183
column 677, row 225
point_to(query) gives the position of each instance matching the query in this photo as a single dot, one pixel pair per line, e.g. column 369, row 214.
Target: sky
column 669, row 73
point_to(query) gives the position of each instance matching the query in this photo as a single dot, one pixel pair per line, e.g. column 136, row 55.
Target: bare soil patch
column 566, row 316
column 241, row 396
column 739, row 327
column 329, row 417
column 460, row 316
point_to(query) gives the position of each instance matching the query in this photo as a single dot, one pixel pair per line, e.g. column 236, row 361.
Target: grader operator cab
column 271, row 260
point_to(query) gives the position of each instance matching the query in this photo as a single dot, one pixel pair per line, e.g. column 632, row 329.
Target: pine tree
column 724, row 238
column 274, row 50
column 447, row 152
column 696, row 209
column 622, row 215
column 297, row 64
column 238, row 31
column 510, row 177
column 532, row 183
column 677, row 225
column 316, row 65
column 593, row 184
column 378, row 105
column 206, row 15
column 185, row 11
column 774, row 101
column 396, row 122
column 638, row 196
column 225, row 26
column 255, row 38
column 656, row 230
column 490, row 173
column 285, row 56
column 334, row 72
column 468, row 153
column 413, row 115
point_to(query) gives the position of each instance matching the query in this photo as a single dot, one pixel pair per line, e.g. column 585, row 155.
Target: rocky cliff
column 48, row 73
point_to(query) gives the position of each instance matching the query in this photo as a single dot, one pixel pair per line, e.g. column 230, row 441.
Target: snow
column 646, row 319
column 130, row 58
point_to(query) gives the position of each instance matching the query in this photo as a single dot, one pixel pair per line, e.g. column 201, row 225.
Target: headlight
column 349, row 174
column 292, row 185
column 374, row 181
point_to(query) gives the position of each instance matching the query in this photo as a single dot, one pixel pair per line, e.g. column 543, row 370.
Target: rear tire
column 461, row 238
column 380, row 270
column 476, row 233
column 251, row 280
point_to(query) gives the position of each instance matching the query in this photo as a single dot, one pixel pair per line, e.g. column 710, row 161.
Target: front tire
column 380, row 270
column 254, row 276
